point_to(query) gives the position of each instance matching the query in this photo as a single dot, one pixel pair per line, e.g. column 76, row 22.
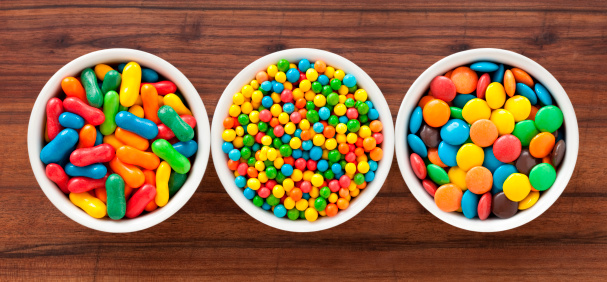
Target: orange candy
column 483, row 132
column 149, row 96
column 73, row 88
column 261, row 76
column 228, row 123
column 329, row 131
column 448, row 197
column 132, row 175
column 331, row 210
column 131, row 139
column 465, row 80
column 479, row 180
column 541, row 145
column 436, row 113
column 151, row 206
column 343, row 148
column 369, row 143
column 534, row 110
column 376, row 154
column 424, row 100
column 130, row 155
column 449, row 73
column 509, row 83
column 150, row 177
column 522, row 77
column 342, row 203
column 376, row 126
column 434, row 158
column 87, row 136
column 320, row 66
column 296, row 194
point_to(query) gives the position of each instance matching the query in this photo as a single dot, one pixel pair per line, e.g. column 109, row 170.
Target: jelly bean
column 437, row 174
column 436, row 113
column 70, row 120
column 479, row 180
column 187, row 149
column 84, row 184
column 476, row 109
column 111, row 82
column 526, row 162
column 112, row 141
column 91, row 205
column 180, row 128
column 517, row 187
column 116, row 202
column 93, row 93
column 503, row 120
column 165, row 151
column 429, row 186
column 522, row 77
column 542, row 176
column 481, row 86
column 469, row 156
column 543, row 94
column 495, row 95
column 101, row 70
column 131, row 139
column 448, row 153
column 149, row 95
column 73, row 88
column 176, row 181
column 417, row 145
column 448, row 198
column 502, row 207
column 137, row 203
column 470, row 204
column 110, row 109
column 549, row 119
column 465, row 80
column 56, row 174
column 132, row 175
column 95, row 171
column 542, row 144
column 435, row 158
column 525, row 131
column 525, row 91
column 60, row 147
column 500, row 175
column 88, row 156
column 92, row 115
column 484, row 67
column 498, row 75
column 87, row 136
column 416, row 120
column 174, row 102
column 483, row 132
column 140, row 126
column 430, row 136
column 529, row 201
column 558, row 153
column 131, row 81
column 457, row 176
column 54, row 109
column 163, row 87
column 162, row 183
column 507, row 148
column 418, row 166
column 455, row 132
column 484, row 206
column 461, row 100
column 149, row 75
column 165, row 133
column 443, row 88
column 130, row 155
column 509, row 83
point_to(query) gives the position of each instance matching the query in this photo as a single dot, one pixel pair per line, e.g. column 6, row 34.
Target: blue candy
column 373, row 114
column 285, row 138
column 447, row 153
column 60, row 147
column 416, row 120
column 490, row 162
column 318, row 127
column 324, row 113
column 303, row 65
column 527, row 92
column 297, row 153
column 280, row 210
column 336, row 168
column 140, row 126
column 323, row 79
column 455, row 132
column 349, row 80
column 316, row 153
column 372, row 165
column 70, row 120
column 470, row 204
column 266, row 206
column 277, row 86
column 343, row 119
column 121, row 67
column 369, row 176
column 322, row 165
column 227, row 147
column 187, row 148
column 292, row 75
column 95, row 171
column 249, row 193
column 484, row 67
column 543, row 94
column 460, row 100
column 149, row 75
column 98, row 138
column 267, row 101
column 417, row 145
column 240, row 181
column 234, row 155
column 498, row 75
column 500, row 175
column 307, row 145
column 266, row 86
column 288, row 108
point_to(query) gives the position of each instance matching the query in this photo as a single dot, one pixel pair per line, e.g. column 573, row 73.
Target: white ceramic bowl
column 35, row 139
column 420, row 87
column 227, row 177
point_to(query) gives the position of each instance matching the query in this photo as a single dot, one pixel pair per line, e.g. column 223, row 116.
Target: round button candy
column 541, row 145
column 484, row 67
column 479, row 180
column 526, row 162
column 470, row 204
column 542, row 94
column 443, row 88
column 484, row 206
column 418, row 166
column 495, row 95
column 455, row 132
column 490, row 161
column 542, row 176
column 434, row 158
column 417, row 145
column 436, row 113
column 430, row 136
column 476, row 109
column 498, row 75
column 503, row 120
column 500, row 175
column 507, row 148
column 522, row 77
column 548, row 119
column 469, row 156
column 517, row 187
column 448, row 153
column 525, row 131
column 503, row 207
column 519, row 106
column 509, row 83
column 558, row 153
column 416, row 120
column 483, row 132
column 448, row 198
column 429, row 186
column 461, row 100
column 529, row 201
column 527, row 92
column 437, row 174
column 457, row 176
column 481, row 86
column 465, row 80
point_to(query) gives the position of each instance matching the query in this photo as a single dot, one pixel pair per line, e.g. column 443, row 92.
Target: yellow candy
column 254, row 116
column 517, row 187
column 495, row 95
column 280, row 77
column 320, row 100
column 252, row 128
column 272, row 70
column 290, row 128
column 247, row 91
column 341, row 128
column 476, row 109
column 301, row 205
column 318, row 140
column 260, row 166
column 340, row 109
column 341, row 138
column 311, row 74
column 343, row 90
column 131, row 82
column 503, row 120
column 355, row 192
column 317, row 180
column 311, row 214
column 307, row 175
column 314, row 192
column 101, row 70
column 163, row 172
column 276, row 109
column 360, row 95
column 363, row 167
column 238, row 99
column 266, row 141
column 333, row 198
column 137, row 111
column 351, row 138
column 272, row 154
column 343, row 98
column 288, row 85
column 288, row 184
column 457, row 176
column 91, row 205
column 364, row 131
column 309, row 96
column 297, row 175
column 469, row 156
column 292, row 66
column 519, row 106
column 304, row 86
column 304, row 124
column 278, row 191
column 234, row 111
column 263, row 178
column 299, row 93
column 278, row 162
column 246, row 108
column 255, row 97
column 350, row 168
column 275, row 97
column 253, row 183
column 283, row 118
column 289, row 203
column 228, row 135
column 239, row 131
column 330, row 144
column 255, row 84
column 295, row 143
column 529, row 201
column 330, row 72
column 339, row 74
column 238, row 142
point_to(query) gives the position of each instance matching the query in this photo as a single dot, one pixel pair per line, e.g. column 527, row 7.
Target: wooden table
column 394, row 238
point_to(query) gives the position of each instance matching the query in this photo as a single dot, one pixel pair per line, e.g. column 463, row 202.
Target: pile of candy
column 302, row 140
column 499, row 136
column 98, row 141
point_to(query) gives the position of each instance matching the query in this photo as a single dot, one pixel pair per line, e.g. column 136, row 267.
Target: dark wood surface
column 394, row 238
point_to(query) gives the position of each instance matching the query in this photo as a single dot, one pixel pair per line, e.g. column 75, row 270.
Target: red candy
column 286, row 96
column 418, row 166
column 507, row 148
column 92, row 115
column 141, row 198
column 54, row 108
column 484, row 206
column 56, row 174
column 481, row 86
column 164, row 132
column 334, row 185
column 264, row 192
column 84, row 184
column 265, row 115
column 429, row 186
column 443, row 88
column 87, row 156
column 163, row 87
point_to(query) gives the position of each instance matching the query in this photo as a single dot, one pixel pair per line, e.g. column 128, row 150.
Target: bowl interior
column 420, row 87
column 114, row 56
column 227, row 177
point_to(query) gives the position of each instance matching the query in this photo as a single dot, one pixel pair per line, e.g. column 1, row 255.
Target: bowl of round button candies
column 118, row 140
column 487, row 139
column 302, row 139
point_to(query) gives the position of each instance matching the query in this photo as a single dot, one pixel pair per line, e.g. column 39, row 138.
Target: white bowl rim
column 35, row 139
column 420, row 86
column 227, row 178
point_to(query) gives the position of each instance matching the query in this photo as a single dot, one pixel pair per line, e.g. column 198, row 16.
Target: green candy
column 326, row 90
column 359, row 178
column 302, row 214
column 332, row 99
column 285, row 150
column 293, row 214
column 245, row 152
column 549, row 119
column 243, row 119
column 353, row 125
column 258, row 201
column 164, row 150
column 283, row 65
column 310, row 105
column 248, row 140
column 456, row 113
column 352, row 89
column 172, row 120
column 262, row 126
column 111, row 103
column 334, row 156
column 320, row 204
column 93, row 93
column 542, row 176
column 316, row 87
column 325, row 192
column 122, row 108
column 116, row 202
column 438, row 174
column 271, row 172
column 280, row 178
column 111, row 81
column 363, row 119
column 312, row 116
column 176, row 181
column 272, row 201
column 329, row 174
column 350, row 103
column 251, row 161
column 333, row 120
column 335, row 84
column 525, row 131
column 363, row 108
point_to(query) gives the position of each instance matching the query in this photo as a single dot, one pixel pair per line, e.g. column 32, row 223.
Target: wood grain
column 394, row 238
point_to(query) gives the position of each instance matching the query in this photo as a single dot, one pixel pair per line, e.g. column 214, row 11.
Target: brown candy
column 558, row 153
column 430, row 136
column 503, row 207
column 526, row 162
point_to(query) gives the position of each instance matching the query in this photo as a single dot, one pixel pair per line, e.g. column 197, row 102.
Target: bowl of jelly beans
column 118, row 140
column 486, row 139
column 302, row 139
